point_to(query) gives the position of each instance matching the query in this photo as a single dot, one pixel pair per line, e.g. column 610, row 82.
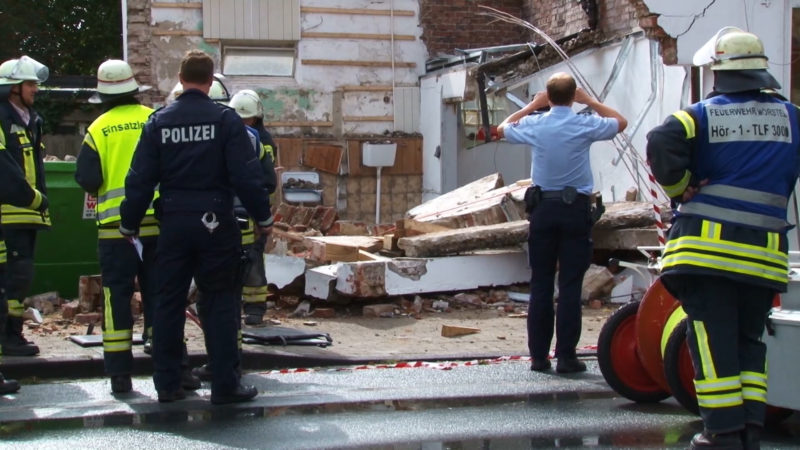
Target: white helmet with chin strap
column 218, row 92
column 732, row 49
column 247, row 104
column 114, row 80
column 15, row 71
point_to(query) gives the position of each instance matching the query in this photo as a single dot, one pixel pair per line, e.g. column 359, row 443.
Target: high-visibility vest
column 114, row 136
column 747, row 147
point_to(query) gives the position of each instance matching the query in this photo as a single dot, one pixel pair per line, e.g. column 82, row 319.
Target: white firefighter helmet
column 115, row 79
column 15, row 71
column 732, row 49
column 247, row 104
column 218, row 92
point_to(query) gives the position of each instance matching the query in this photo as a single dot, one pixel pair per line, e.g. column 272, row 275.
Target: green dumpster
column 69, row 249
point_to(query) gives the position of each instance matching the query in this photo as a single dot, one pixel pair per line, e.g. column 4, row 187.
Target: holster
column 533, row 196
column 596, row 207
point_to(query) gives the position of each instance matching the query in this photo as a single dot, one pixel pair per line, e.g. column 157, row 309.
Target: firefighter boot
column 203, row 372
column 708, row 440
column 751, row 437
column 121, row 384
column 13, row 343
column 8, row 386
column 254, row 314
column 189, row 381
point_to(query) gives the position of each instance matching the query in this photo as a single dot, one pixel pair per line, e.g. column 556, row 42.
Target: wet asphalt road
column 492, row 405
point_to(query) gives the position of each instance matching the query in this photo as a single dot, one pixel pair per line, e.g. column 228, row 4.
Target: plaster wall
column 694, row 22
column 315, row 93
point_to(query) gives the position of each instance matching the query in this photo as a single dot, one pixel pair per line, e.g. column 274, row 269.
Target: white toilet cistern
column 378, row 155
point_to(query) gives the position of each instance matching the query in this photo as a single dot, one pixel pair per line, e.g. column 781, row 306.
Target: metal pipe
column 124, row 7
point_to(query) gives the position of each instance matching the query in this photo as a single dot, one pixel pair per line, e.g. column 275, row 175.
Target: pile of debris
column 472, row 237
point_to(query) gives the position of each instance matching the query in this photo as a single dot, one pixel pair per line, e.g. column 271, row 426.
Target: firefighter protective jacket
column 14, row 189
column 199, row 154
column 104, row 161
column 23, row 142
column 746, row 147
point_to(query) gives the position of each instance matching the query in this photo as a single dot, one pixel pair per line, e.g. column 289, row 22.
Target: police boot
column 720, row 441
column 242, row 393
column 751, row 437
column 8, row 386
column 13, row 343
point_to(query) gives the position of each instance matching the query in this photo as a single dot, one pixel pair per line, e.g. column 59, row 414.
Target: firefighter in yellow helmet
column 22, row 130
column 730, row 163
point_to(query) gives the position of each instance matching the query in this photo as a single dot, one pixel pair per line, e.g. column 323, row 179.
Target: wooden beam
column 367, row 88
column 411, row 227
column 359, row 11
column 177, row 33
column 335, row 62
column 377, row 37
column 310, row 123
column 455, row 330
column 368, row 118
column 186, row 5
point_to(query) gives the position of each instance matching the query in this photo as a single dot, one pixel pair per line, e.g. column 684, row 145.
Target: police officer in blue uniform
column 730, row 162
column 560, row 215
column 198, row 153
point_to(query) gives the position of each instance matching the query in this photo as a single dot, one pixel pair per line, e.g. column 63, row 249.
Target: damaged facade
column 434, row 77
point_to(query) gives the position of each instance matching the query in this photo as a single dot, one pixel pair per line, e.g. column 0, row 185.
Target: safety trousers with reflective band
column 120, row 266
column 149, row 227
column 3, row 254
column 254, row 284
column 726, row 322
column 697, row 245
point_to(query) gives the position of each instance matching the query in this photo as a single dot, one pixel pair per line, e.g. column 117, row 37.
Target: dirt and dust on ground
column 388, row 328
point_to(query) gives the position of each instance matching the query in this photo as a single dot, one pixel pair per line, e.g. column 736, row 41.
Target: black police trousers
column 559, row 236
column 120, row 265
column 188, row 249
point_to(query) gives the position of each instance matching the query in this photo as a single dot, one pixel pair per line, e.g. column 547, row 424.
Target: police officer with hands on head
column 22, row 129
column 14, row 190
column 198, row 153
column 730, row 163
column 560, row 210
column 102, row 165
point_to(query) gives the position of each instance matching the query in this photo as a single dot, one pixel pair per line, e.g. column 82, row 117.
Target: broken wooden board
column 462, row 240
column 402, row 276
column 341, row 248
column 456, row 197
column 631, row 215
column 496, row 206
column 411, row 227
column 455, row 331
column 624, row 238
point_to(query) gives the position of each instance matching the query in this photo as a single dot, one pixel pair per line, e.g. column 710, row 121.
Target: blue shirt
column 560, row 140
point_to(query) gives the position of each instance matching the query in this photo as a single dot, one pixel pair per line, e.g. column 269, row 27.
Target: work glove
column 43, row 206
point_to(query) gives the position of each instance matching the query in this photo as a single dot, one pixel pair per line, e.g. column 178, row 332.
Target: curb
column 40, row 368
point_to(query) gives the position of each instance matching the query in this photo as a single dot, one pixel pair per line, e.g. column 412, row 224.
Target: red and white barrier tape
column 444, row 365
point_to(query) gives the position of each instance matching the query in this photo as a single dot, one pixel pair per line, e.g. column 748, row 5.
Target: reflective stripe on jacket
column 23, row 142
